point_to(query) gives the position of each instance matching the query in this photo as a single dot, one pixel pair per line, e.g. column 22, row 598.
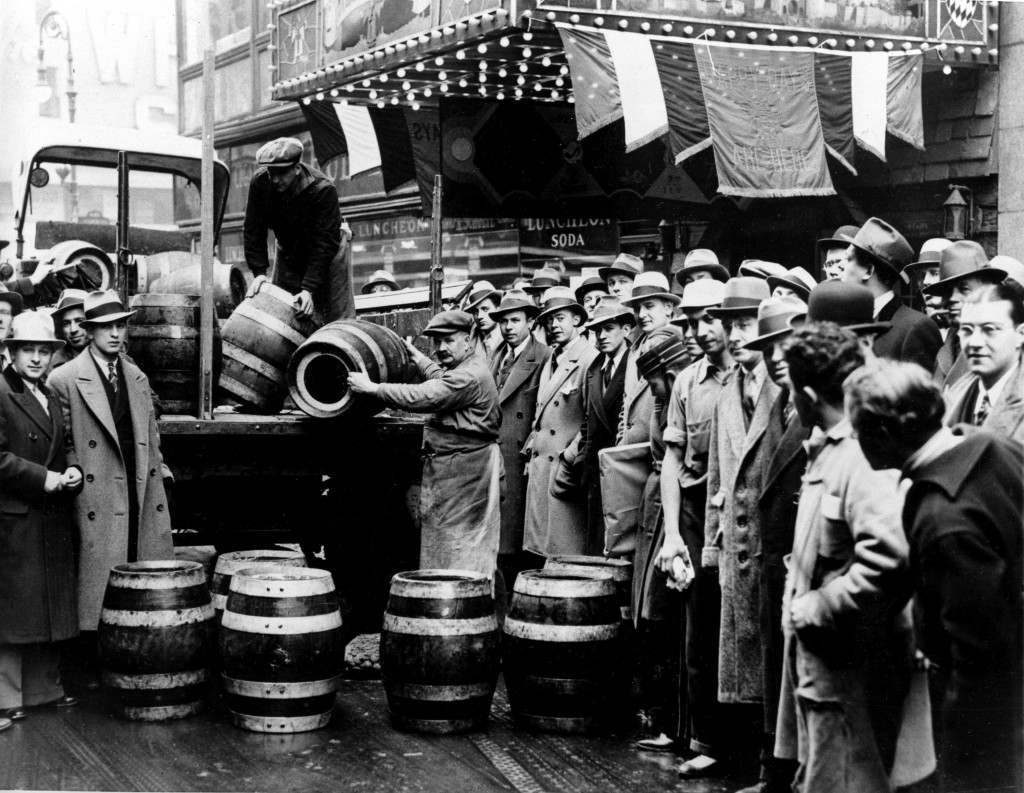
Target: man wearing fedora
column 620, row 274
column 38, row 597
column 963, row 269
column 610, row 325
column 691, row 404
column 847, row 305
column 482, row 299
column 541, row 281
column 515, row 367
column 556, row 524
column 925, row 272
column 697, row 264
column 796, row 283
column 460, row 492
column 877, row 255
column 783, row 462
column 11, row 305
column 67, row 319
column 300, row 205
column 991, row 330
column 121, row 513
column 589, row 293
column 380, row 282
column 741, row 442
column 832, row 252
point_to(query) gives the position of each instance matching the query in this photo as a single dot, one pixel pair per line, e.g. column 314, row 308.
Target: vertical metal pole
column 206, row 315
column 436, row 267
column 121, row 242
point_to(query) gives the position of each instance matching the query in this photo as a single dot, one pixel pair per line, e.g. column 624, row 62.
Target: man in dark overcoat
column 38, row 594
column 962, row 515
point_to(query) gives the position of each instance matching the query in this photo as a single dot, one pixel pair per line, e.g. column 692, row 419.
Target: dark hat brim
column 992, row 275
column 106, row 319
column 761, row 342
column 494, row 294
column 622, row 317
column 789, row 283
column 537, row 288
column 530, row 309
column 859, row 328
column 15, row 299
column 52, row 342
column 668, row 297
column 718, row 272
column 894, row 268
column 576, row 308
column 613, row 269
column 586, row 288
column 371, row 284
column 723, row 312
column 833, row 242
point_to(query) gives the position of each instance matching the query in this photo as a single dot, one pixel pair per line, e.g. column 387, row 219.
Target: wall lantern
column 957, row 213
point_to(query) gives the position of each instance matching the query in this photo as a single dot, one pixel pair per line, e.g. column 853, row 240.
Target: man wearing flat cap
column 460, row 494
column 300, row 205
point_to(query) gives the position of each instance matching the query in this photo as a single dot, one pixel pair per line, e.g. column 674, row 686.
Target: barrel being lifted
column 318, row 371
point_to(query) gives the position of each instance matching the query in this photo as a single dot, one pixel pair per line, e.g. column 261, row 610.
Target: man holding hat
column 684, row 495
column 515, row 366
column 832, row 251
column 10, row 306
column 121, row 513
column 38, row 598
column 483, row 298
column 610, row 325
column 300, row 205
column 741, row 442
column 460, row 492
column 620, row 274
column 963, row 269
column 381, row 282
column 877, row 255
column 67, row 319
column 700, row 263
column 556, row 524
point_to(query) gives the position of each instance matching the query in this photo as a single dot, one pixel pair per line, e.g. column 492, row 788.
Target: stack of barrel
column 279, row 640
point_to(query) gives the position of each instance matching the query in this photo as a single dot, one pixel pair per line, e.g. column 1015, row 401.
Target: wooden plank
column 206, row 240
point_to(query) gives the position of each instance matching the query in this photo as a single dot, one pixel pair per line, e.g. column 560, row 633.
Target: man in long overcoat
column 38, row 593
column 556, row 524
column 105, row 399
column 515, row 367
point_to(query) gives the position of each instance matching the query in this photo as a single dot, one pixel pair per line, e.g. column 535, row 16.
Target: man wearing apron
column 462, row 470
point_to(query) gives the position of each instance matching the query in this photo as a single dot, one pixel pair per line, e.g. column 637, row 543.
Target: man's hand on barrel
column 254, row 287
column 360, row 383
column 303, row 304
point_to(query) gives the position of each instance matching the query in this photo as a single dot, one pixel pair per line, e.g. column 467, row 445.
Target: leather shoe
column 661, row 743
column 14, row 714
column 67, row 701
column 699, row 767
column 5, row 723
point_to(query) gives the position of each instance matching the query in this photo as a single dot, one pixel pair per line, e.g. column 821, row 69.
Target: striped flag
column 869, row 79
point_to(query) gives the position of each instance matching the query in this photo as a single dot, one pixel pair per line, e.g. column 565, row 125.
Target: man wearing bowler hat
column 963, row 269
column 515, row 366
column 877, row 255
column 849, row 306
column 832, row 252
column 67, row 320
column 460, row 492
column 300, row 205
column 589, row 293
column 121, row 513
column 555, row 518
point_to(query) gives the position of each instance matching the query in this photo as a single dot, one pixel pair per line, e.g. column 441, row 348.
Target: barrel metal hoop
column 431, row 584
column 160, row 680
column 371, row 343
column 304, row 400
column 281, row 626
column 282, row 724
column 240, row 390
column 424, row 626
column 261, row 317
column 272, row 689
column 591, row 585
column 163, row 332
column 236, row 560
column 163, row 712
column 282, row 582
column 169, row 618
column 536, row 631
column 254, row 362
column 439, row 693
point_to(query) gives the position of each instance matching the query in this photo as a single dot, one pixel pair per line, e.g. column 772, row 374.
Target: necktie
column 112, row 375
column 981, row 411
column 506, row 367
column 748, row 396
column 606, row 373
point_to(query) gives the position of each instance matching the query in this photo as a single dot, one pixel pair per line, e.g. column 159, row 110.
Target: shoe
column 5, row 723
column 14, row 714
column 67, row 701
column 699, row 767
column 662, row 743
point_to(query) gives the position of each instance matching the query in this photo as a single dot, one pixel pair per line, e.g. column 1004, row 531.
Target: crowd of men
column 820, row 489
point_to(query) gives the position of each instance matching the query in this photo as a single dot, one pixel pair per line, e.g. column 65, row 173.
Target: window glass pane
column 264, row 79
column 192, row 104
column 233, row 87
column 230, row 25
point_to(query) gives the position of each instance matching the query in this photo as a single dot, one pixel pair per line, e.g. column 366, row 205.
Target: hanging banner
column 903, row 100
column 869, row 80
column 643, row 104
column 688, row 131
column 832, row 81
column 595, row 90
column 763, row 115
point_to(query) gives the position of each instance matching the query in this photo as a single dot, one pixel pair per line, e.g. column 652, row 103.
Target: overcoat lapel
column 762, row 414
column 732, row 413
column 28, row 403
column 521, row 370
column 140, row 403
column 790, row 445
column 93, row 394
column 569, row 363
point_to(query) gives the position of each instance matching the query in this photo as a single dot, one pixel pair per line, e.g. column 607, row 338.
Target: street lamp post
column 55, row 25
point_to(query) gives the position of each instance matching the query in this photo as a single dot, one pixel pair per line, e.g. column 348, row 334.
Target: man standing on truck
column 300, row 205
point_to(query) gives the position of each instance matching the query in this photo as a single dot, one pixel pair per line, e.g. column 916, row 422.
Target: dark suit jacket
column 913, row 337
column 518, row 402
column 38, row 592
column 600, row 425
column 963, row 517
column 1006, row 418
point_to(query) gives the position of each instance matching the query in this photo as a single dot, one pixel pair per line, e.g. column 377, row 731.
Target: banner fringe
column 841, row 159
column 650, row 137
column 917, row 143
column 599, row 124
column 879, row 154
column 789, row 192
column 697, row 148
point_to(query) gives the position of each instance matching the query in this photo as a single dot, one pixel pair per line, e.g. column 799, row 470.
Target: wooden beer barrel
column 230, row 563
column 621, row 571
column 178, row 272
column 318, row 372
column 163, row 340
column 156, row 639
column 439, row 650
column 560, row 649
column 281, row 649
column 258, row 340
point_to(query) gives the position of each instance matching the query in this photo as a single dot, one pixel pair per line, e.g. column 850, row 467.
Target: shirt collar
column 706, row 369
column 882, row 300
column 518, row 349
column 617, row 358
column 941, row 441
column 997, row 387
column 101, row 364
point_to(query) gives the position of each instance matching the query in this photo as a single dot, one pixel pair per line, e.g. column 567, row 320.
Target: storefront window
column 233, row 87
column 192, row 105
column 264, row 79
